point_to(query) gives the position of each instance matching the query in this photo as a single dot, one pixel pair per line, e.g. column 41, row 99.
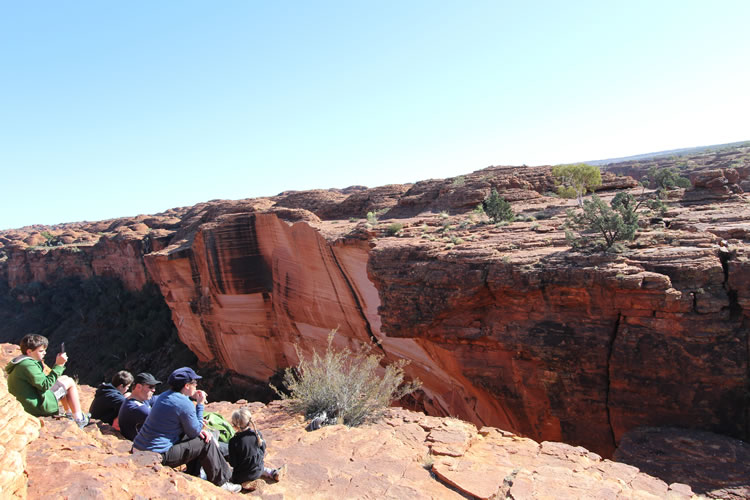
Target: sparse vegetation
column 600, row 225
column 576, row 180
column 666, row 178
column 497, row 209
column 344, row 384
column 459, row 181
column 394, row 228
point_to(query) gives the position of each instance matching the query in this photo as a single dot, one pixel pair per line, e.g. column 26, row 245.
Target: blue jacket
column 132, row 415
column 172, row 416
column 106, row 403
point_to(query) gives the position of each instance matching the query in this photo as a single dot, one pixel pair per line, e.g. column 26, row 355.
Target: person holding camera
column 174, row 428
column 39, row 393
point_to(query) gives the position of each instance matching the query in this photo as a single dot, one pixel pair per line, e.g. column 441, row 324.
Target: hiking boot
column 231, row 487
column 278, row 474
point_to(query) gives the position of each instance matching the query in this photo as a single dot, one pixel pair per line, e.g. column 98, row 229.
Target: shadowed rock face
column 505, row 325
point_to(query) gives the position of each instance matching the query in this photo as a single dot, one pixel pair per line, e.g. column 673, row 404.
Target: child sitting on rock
column 247, row 450
column 38, row 393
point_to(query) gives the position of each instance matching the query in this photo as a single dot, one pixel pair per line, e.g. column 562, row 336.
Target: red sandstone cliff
column 505, row 325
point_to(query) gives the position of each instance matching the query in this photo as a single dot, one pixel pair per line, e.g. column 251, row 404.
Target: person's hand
column 205, row 435
column 201, row 396
column 61, row 359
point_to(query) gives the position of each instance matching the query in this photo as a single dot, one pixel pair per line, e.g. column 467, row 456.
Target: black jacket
column 245, row 456
column 106, row 403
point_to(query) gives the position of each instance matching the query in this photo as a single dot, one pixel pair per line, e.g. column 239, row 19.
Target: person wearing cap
column 109, row 397
column 136, row 408
column 174, row 428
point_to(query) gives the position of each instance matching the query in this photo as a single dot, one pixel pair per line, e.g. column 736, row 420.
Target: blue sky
column 114, row 109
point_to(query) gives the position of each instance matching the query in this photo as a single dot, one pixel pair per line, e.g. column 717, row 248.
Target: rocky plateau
column 406, row 455
column 505, row 324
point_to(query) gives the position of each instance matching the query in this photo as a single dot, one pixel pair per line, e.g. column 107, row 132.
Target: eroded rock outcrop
column 406, row 455
column 506, row 326
column 17, row 431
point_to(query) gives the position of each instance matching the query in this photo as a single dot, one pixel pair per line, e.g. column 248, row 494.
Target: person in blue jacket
column 174, row 428
column 136, row 408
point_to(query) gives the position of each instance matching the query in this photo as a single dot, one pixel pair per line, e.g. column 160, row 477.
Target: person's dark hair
column 122, row 378
column 32, row 341
column 177, row 386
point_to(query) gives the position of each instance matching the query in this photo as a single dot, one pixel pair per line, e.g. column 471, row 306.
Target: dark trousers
column 196, row 453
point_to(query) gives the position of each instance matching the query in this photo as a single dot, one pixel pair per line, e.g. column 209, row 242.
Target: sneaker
column 278, row 474
column 231, row 487
column 317, row 422
column 84, row 421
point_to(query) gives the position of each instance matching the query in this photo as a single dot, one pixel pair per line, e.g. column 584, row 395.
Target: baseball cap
column 146, row 378
column 184, row 374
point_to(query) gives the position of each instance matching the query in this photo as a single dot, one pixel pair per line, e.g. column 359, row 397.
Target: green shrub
column 497, row 208
column 567, row 192
column 577, row 179
column 394, row 228
column 372, row 218
column 344, row 384
column 666, row 178
column 618, row 222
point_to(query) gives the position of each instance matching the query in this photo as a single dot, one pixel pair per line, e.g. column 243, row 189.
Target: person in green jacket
column 39, row 393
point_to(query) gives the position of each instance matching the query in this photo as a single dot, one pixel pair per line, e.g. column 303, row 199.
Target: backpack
column 220, row 424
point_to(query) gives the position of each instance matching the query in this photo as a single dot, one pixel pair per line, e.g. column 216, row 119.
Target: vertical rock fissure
column 736, row 313
column 611, row 348
column 357, row 302
column 735, row 310
column 197, row 305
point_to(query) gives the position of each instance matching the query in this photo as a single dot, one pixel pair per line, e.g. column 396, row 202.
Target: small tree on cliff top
column 497, row 208
column 344, row 384
column 576, row 180
column 600, row 225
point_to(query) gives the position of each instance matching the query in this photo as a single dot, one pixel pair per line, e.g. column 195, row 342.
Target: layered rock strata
column 505, row 324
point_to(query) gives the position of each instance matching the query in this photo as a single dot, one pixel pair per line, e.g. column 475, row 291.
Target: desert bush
column 575, row 180
column 394, row 228
column 344, row 384
column 666, row 178
column 615, row 223
column 497, row 208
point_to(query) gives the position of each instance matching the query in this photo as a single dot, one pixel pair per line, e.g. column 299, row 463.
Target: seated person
column 136, row 408
column 174, row 428
column 109, row 398
column 247, row 449
column 39, row 393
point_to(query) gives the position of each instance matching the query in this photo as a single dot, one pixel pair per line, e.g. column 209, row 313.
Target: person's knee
column 66, row 381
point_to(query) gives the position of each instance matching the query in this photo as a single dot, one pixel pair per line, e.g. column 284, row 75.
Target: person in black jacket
column 247, row 450
column 109, row 398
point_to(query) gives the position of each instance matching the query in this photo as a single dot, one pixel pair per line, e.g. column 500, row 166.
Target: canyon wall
column 505, row 324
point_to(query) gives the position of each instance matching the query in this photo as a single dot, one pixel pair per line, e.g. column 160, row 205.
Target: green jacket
column 28, row 383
